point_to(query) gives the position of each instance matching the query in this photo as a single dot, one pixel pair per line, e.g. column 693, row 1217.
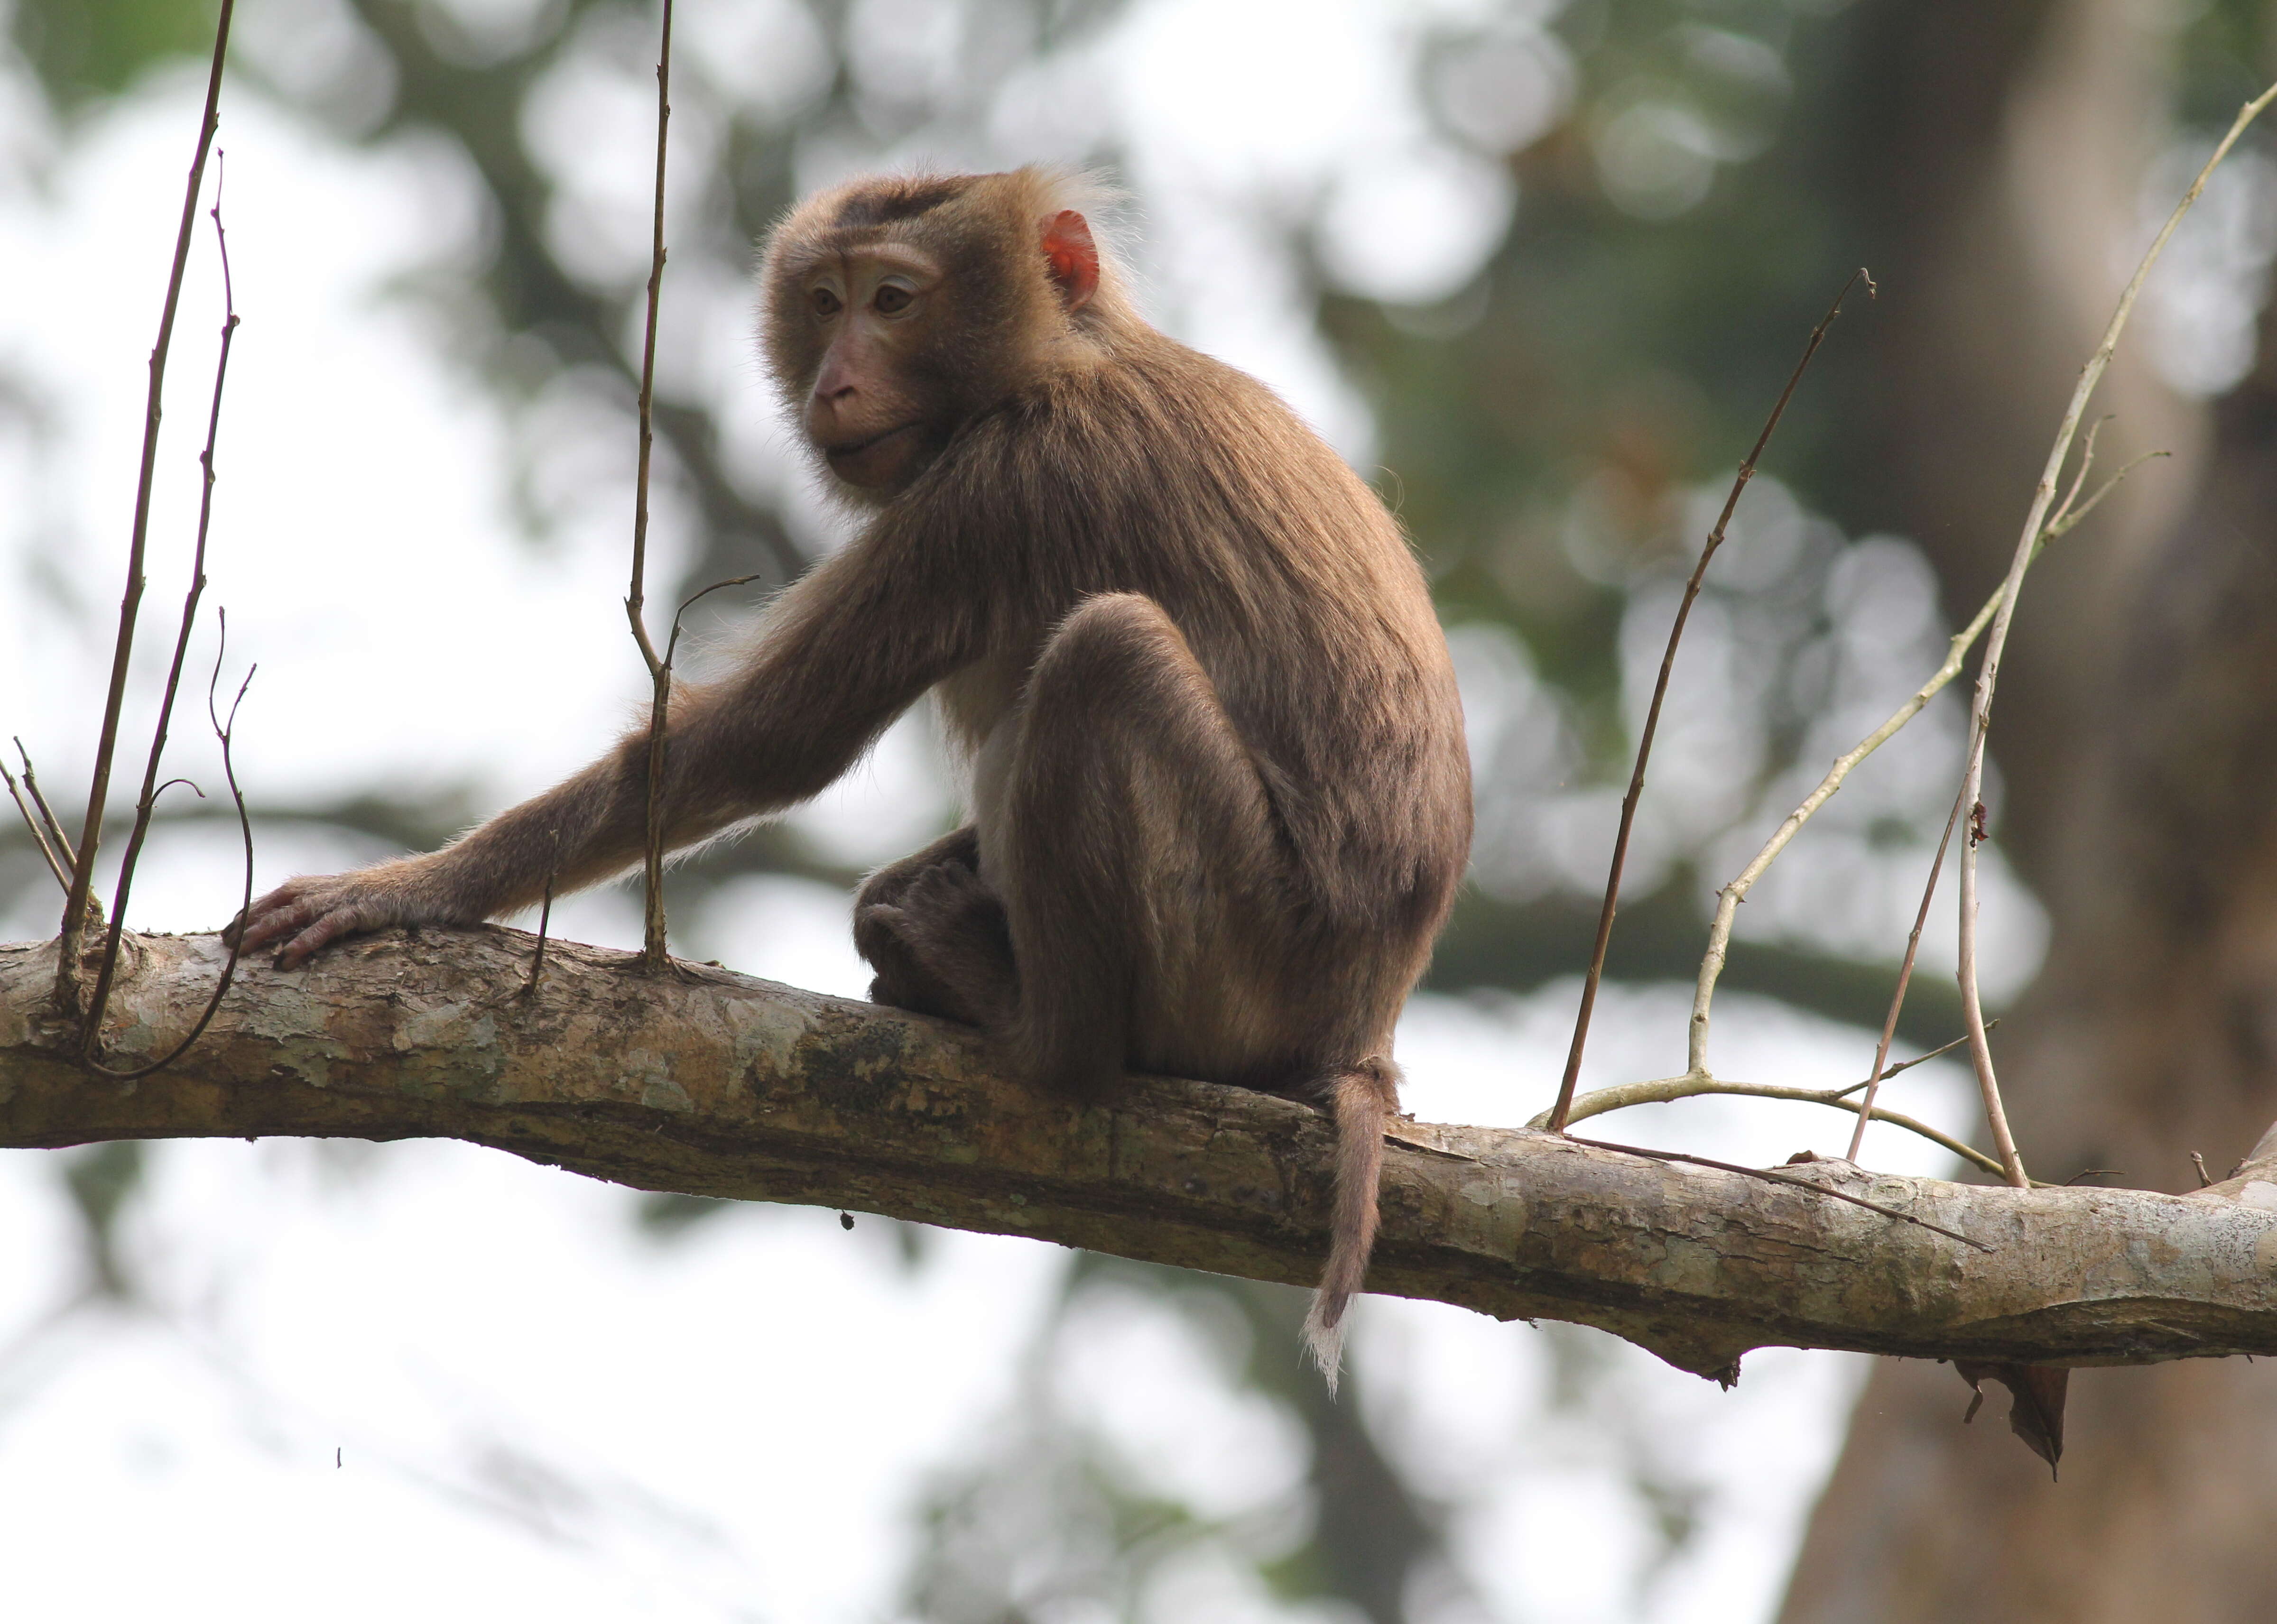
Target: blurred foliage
column 1606, row 352
column 1055, row 1517
column 84, row 49
column 2223, row 57
column 100, row 1180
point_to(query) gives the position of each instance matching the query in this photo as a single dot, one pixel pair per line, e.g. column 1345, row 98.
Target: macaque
column 1219, row 796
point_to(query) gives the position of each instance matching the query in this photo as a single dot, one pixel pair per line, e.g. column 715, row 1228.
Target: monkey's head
column 895, row 310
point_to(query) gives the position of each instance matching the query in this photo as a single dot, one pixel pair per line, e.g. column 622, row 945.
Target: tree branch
column 725, row 1085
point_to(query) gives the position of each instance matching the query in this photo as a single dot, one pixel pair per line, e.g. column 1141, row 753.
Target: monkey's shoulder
column 1162, row 439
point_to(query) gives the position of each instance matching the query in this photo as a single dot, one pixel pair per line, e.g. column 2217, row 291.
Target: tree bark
column 714, row 1084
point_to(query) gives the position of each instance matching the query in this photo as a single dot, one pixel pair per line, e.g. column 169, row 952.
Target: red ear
column 1073, row 257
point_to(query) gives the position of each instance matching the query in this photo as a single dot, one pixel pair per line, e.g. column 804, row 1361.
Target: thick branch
column 720, row 1085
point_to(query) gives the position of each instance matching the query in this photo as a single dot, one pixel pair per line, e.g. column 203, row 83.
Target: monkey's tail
column 1363, row 1098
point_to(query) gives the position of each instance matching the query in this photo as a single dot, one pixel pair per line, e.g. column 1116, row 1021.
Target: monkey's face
column 896, row 311
column 872, row 312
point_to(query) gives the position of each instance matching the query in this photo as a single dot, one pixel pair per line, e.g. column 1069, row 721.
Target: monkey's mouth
column 876, row 460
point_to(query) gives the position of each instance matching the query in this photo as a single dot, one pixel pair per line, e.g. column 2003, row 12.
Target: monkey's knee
column 1117, row 692
column 1107, row 644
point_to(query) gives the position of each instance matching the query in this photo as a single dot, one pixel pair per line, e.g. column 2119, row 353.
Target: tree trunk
column 2137, row 724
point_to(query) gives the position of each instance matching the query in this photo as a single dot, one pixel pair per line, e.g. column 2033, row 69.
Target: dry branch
column 655, row 952
column 146, row 802
column 1692, row 1085
column 1562, row 1109
column 719, row 1085
column 1873, row 1078
column 1988, row 673
column 39, row 835
column 1728, row 898
column 75, row 903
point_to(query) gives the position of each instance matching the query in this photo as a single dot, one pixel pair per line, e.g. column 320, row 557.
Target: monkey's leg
column 1159, row 922
column 1135, row 852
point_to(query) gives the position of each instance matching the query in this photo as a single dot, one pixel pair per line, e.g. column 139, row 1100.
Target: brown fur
column 1220, row 795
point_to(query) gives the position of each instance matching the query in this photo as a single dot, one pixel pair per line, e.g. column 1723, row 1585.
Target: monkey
column 1207, row 724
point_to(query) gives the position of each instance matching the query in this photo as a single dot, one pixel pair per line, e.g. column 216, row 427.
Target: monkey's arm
column 842, row 653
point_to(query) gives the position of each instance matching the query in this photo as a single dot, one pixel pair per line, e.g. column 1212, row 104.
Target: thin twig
column 1666, row 1091
column 672, row 643
column 1728, row 900
column 545, row 919
column 74, row 924
column 1780, row 1178
column 1988, row 675
column 39, row 835
column 55, row 828
column 545, row 909
column 1905, row 979
column 1596, row 972
column 2197, row 1160
column 2064, row 521
column 1906, row 1066
column 654, row 953
column 92, row 1025
column 1691, row 1085
column 225, row 731
column 2079, row 477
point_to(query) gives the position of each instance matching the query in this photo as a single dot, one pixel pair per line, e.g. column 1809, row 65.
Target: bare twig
column 672, row 643
column 39, row 835
column 654, row 953
column 2197, row 1160
column 47, row 820
column 1906, row 1066
column 91, row 1027
column 544, row 920
column 1766, row 1174
column 225, row 731
column 1728, row 900
column 2064, row 521
column 67, row 964
column 1905, row 979
column 1665, row 1091
column 2079, row 478
column 1596, row 972
column 1988, row 675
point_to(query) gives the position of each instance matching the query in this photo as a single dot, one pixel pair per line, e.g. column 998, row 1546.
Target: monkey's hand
column 306, row 913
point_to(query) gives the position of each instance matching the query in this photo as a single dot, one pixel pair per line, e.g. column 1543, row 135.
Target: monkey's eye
column 825, row 302
column 892, row 298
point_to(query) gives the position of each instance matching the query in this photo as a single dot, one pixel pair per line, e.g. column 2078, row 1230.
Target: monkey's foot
column 942, row 948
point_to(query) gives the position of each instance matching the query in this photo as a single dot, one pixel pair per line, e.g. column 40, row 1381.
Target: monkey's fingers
column 309, row 913
column 335, row 922
column 279, row 913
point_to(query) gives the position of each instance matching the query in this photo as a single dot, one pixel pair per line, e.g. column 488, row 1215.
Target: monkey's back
column 1161, row 471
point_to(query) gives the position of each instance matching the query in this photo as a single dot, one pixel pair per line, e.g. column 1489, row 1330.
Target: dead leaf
column 2036, row 1411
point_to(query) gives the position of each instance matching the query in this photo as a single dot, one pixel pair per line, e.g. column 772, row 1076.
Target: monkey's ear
column 1073, row 258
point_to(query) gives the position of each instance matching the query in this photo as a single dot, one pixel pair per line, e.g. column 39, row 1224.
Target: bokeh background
column 1536, row 269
